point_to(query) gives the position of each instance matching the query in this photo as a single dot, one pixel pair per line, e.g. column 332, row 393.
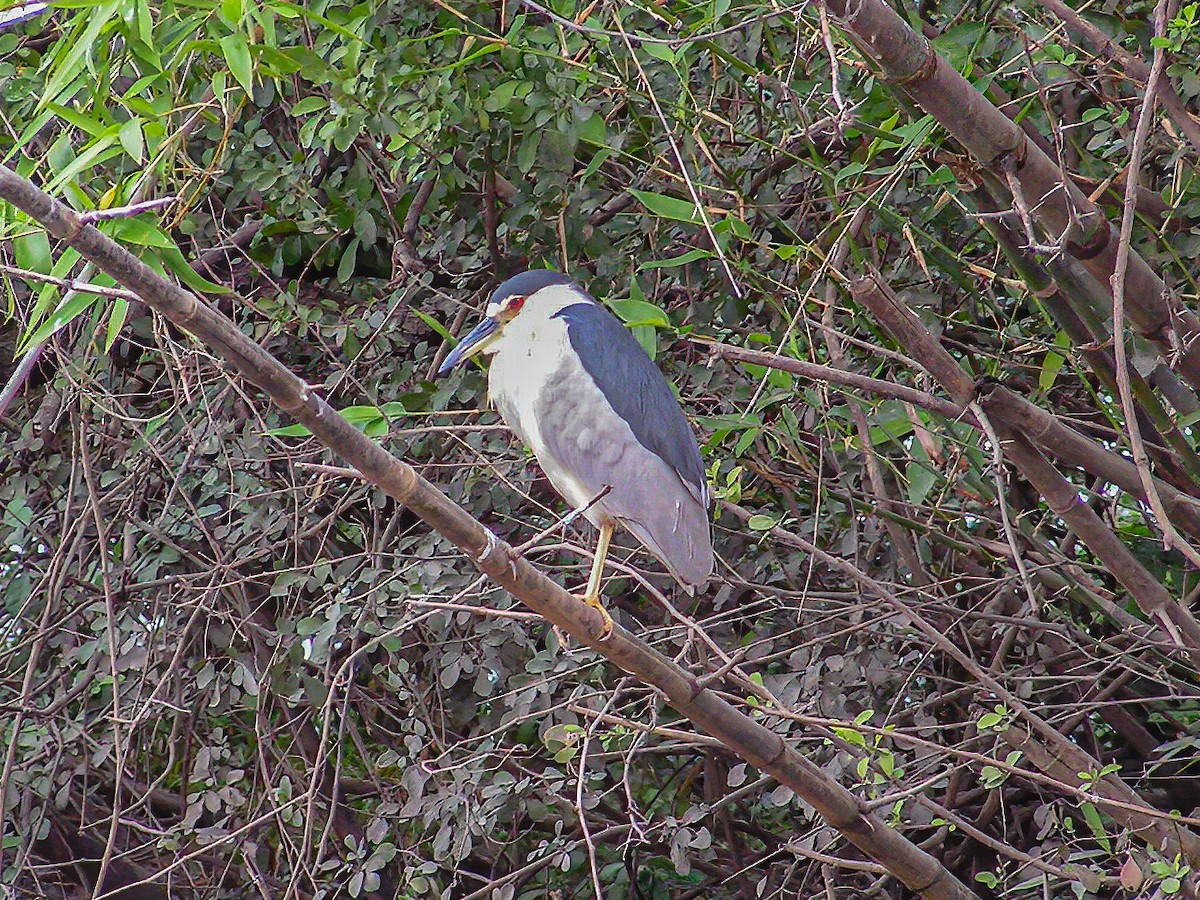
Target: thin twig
column 693, row 191
column 522, row 549
column 125, row 212
column 70, row 284
column 1170, row 536
column 581, row 781
column 486, row 611
column 1010, row 533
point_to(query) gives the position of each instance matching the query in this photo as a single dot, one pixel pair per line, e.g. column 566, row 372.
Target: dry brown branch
column 844, row 377
column 1073, row 298
column 1076, row 225
column 1055, row 436
column 739, row 732
column 1060, row 495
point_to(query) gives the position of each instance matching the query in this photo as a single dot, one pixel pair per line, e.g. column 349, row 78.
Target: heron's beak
column 475, row 342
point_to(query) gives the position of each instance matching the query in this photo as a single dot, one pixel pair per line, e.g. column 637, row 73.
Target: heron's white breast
column 533, row 356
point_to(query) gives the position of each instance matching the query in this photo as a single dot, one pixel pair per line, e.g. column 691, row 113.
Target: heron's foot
column 594, row 603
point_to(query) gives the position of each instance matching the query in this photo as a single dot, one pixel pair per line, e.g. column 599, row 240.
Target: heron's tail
column 685, row 549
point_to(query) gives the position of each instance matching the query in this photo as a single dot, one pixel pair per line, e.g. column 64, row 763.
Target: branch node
column 783, row 749
column 1094, row 244
column 923, row 72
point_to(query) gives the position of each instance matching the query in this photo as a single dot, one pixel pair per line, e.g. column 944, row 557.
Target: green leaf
column 602, row 156
column 1052, row 364
column 433, row 323
column 141, row 231
column 682, row 260
column 1092, row 816
column 920, row 475
column 99, row 151
column 639, row 312
column 593, row 130
column 173, row 259
column 850, row 736
column 739, row 227
column 33, row 252
column 669, row 207
column 236, row 51
column 992, row 777
column 360, row 415
column 309, row 105
column 289, row 431
column 116, row 320
column 141, row 85
column 500, row 96
column 279, row 63
column 762, row 523
column 132, row 139
column 80, row 120
column 745, row 442
column 364, row 227
column 345, row 269
column 71, row 65
column 659, row 51
column 645, row 337
column 49, row 295
column 372, row 420
column 145, row 22
column 989, row 720
column 66, row 312
column 294, row 11
column 527, row 153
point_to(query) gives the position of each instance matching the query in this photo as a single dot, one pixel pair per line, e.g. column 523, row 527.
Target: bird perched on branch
column 579, row 390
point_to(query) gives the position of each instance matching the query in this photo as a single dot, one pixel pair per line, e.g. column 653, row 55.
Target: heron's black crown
column 528, row 283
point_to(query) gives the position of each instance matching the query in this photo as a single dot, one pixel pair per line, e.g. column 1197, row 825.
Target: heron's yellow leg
column 592, row 597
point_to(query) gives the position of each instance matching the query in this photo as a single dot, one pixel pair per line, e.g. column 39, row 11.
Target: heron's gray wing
column 585, row 443
column 645, row 494
column 635, row 389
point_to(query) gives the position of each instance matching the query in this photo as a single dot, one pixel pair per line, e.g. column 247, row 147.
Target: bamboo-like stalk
column 908, row 61
column 1061, row 496
column 749, row 739
column 1071, row 296
column 1052, row 434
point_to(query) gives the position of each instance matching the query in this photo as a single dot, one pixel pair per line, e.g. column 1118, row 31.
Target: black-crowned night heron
column 579, row 390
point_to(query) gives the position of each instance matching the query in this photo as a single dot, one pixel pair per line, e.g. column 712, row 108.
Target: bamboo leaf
column 236, row 51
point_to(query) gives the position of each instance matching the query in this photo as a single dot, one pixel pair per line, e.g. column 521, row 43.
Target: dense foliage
column 228, row 669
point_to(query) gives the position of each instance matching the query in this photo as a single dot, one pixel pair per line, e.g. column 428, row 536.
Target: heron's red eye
column 514, row 305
